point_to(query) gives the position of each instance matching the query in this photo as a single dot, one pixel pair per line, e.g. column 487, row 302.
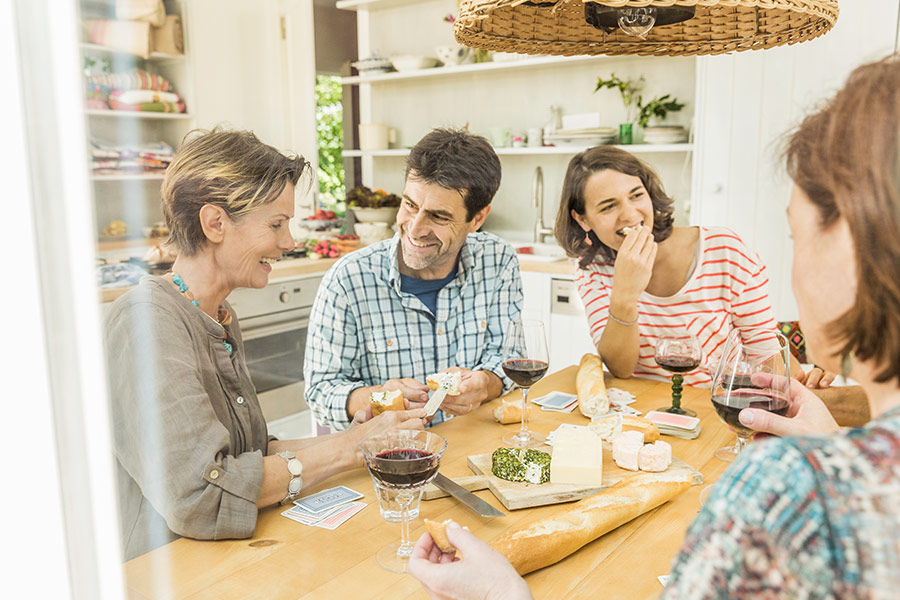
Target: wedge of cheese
column 577, row 457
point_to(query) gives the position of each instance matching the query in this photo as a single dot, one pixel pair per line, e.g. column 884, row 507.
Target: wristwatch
column 295, row 468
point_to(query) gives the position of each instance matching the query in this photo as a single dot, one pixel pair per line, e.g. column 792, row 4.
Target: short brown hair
column 570, row 234
column 460, row 161
column 846, row 159
column 230, row 169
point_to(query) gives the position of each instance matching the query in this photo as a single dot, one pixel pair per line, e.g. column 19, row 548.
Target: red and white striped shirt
column 728, row 288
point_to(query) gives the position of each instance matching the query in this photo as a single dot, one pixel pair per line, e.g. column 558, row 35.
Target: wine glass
column 734, row 386
column 677, row 353
column 525, row 362
column 402, row 460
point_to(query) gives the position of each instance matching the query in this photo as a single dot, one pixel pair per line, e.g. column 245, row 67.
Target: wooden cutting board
column 515, row 495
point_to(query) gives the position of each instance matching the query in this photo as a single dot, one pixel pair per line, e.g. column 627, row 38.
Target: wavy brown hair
column 569, row 233
column 846, row 159
column 227, row 168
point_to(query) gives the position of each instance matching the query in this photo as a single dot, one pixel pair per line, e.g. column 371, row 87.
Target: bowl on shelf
column 409, row 62
column 386, row 214
column 369, row 233
column 454, row 55
column 372, row 66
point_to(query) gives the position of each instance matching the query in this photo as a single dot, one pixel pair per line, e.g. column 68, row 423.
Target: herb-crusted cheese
column 512, row 464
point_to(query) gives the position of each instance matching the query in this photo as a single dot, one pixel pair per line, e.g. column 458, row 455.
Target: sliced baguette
column 438, row 533
column 392, row 400
column 550, row 540
column 592, row 398
column 648, row 428
column 510, row 411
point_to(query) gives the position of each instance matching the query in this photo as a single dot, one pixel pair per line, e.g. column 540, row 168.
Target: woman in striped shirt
column 641, row 278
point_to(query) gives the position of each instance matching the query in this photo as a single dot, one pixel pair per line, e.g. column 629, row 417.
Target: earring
column 847, row 363
column 587, row 238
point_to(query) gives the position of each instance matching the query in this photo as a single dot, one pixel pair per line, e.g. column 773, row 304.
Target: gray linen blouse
column 188, row 433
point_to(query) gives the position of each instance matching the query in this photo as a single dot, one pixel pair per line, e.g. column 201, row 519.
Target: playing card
column 672, row 420
column 335, row 520
column 556, row 400
column 619, row 396
column 307, row 518
column 327, row 499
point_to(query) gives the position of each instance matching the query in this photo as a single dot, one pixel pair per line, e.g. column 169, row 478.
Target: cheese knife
column 437, row 397
column 466, row 497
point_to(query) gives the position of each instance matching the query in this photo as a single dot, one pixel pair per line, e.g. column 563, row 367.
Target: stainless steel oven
column 274, row 323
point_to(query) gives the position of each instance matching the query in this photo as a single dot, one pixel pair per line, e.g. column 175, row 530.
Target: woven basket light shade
column 718, row 26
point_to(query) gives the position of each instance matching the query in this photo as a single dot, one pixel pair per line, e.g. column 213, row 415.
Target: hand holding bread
column 592, row 398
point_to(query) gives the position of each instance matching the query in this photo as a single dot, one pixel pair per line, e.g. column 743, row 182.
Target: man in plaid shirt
column 437, row 296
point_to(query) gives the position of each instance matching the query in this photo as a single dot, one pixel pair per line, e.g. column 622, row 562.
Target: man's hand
column 474, row 388
column 415, row 392
column 482, row 572
column 807, row 414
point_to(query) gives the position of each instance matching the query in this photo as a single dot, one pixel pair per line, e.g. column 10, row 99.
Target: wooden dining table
column 286, row 559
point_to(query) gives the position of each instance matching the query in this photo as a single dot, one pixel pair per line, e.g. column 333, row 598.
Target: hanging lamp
column 642, row 27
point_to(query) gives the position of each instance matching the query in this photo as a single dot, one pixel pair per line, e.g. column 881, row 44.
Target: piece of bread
column 551, row 539
column 389, row 400
column 648, row 428
column 438, row 533
column 510, row 411
column 435, row 380
column 592, row 398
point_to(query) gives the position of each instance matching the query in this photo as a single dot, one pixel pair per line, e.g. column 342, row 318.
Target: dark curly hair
column 570, row 234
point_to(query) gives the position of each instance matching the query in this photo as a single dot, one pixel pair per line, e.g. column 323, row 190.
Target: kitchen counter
column 305, row 266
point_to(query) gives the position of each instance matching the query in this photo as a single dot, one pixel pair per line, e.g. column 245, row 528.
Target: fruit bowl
column 386, row 214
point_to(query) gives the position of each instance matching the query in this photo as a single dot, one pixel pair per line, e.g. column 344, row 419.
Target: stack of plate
column 372, row 66
column 591, row 136
column 665, row 134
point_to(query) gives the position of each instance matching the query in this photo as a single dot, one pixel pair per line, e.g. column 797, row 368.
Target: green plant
column 631, row 98
column 658, row 107
column 330, row 133
column 363, row 197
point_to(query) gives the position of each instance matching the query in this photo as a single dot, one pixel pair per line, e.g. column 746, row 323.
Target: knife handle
column 471, row 483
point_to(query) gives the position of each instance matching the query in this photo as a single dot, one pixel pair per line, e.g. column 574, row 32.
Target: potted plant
column 635, row 108
column 373, row 207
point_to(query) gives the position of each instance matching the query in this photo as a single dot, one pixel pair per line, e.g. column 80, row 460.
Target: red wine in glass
column 404, row 467
column 525, row 371
column 677, row 353
column 678, row 364
column 729, row 406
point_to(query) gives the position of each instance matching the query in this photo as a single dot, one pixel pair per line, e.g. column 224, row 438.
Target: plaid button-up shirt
column 364, row 330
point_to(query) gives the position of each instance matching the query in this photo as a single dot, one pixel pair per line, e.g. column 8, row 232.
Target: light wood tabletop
column 285, row 559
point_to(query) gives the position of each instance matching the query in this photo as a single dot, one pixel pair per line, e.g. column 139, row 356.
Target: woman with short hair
column 192, row 452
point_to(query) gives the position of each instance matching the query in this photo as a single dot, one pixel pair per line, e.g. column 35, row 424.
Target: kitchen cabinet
column 515, row 94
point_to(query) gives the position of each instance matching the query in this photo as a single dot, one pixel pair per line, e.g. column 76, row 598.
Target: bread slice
column 592, row 398
column 435, row 380
column 388, row 400
column 510, row 411
column 648, row 428
column 438, row 533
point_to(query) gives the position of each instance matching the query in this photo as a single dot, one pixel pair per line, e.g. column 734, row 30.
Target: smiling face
column 256, row 240
column 823, row 277
column 614, row 201
column 433, row 228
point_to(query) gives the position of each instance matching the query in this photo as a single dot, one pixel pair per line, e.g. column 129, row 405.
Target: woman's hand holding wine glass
column 806, row 414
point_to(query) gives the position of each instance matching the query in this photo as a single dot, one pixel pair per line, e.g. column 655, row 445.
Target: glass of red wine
column 678, row 353
column 753, row 372
column 525, row 361
column 402, row 460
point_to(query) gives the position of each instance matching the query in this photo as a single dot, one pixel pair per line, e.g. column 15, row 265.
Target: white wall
column 747, row 102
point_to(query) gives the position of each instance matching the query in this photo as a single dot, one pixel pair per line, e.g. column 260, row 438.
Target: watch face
column 295, row 466
column 295, row 485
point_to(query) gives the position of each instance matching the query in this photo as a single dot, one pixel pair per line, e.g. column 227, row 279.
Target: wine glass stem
column 741, row 444
column 524, row 426
column 405, row 549
column 677, row 379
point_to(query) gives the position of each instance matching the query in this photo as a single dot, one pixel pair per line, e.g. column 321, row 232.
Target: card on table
column 556, row 400
column 327, row 499
column 671, row 420
column 329, row 519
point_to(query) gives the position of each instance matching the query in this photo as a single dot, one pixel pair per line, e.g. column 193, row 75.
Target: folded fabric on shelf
column 163, row 107
column 134, row 79
column 140, row 96
column 128, row 36
column 151, row 11
column 169, row 38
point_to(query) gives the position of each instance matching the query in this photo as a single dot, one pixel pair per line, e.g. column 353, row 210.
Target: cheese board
column 526, row 495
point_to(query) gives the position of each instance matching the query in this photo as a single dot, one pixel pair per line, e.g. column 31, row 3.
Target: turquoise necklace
column 222, row 318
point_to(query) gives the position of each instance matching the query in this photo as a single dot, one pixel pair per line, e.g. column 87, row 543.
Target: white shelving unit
column 134, row 197
column 372, row 4
column 546, row 150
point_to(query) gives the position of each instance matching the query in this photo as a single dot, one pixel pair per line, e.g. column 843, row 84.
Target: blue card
column 322, row 501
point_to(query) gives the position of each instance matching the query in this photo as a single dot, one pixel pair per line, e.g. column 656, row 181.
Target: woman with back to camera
column 639, row 275
column 813, row 515
column 192, row 453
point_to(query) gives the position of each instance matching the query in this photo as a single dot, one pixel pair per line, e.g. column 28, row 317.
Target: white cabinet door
column 536, row 291
column 746, row 103
column 569, row 336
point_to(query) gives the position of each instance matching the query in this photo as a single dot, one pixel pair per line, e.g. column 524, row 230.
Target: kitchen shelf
column 569, row 150
column 129, row 177
column 126, row 243
column 372, row 4
column 154, row 56
column 136, row 114
column 445, row 71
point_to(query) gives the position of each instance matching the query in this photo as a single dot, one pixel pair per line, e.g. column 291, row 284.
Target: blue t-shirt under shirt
column 426, row 290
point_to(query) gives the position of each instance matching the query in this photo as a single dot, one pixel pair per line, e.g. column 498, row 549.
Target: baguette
column 592, row 398
column 648, row 428
column 438, row 533
column 510, row 411
column 550, row 540
column 382, row 401
column 435, row 380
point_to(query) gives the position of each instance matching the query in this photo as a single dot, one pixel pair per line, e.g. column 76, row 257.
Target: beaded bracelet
column 620, row 321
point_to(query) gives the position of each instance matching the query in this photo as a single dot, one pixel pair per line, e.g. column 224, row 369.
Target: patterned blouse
column 801, row 517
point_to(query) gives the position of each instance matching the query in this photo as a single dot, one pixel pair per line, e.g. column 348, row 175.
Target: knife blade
column 466, row 497
column 437, row 397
